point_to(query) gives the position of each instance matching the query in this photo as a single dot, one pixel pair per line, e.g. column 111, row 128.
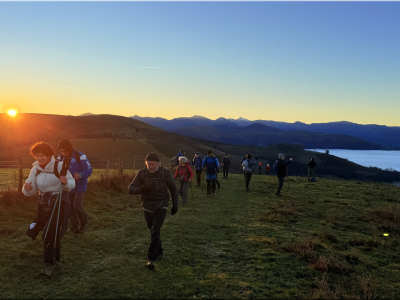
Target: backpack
column 55, row 170
column 78, row 158
column 275, row 168
column 64, row 169
column 174, row 161
column 246, row 166
column 211, row 166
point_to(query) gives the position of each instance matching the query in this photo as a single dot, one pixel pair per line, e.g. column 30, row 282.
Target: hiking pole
column 218, row 185
column 202, row 184
column 64, row 169
column 190, row 184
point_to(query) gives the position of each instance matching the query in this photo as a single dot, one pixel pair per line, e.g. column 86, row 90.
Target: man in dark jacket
column 198, row 162
column 311, row 172
column 153, row 183
column 282, row 172
column 226, row 161
column 80, row 169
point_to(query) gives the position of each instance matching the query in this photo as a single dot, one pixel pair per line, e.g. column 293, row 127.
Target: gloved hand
column 144, row 189
column 174, row 210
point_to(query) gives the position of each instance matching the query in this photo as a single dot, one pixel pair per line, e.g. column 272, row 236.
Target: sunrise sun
column 12, row 112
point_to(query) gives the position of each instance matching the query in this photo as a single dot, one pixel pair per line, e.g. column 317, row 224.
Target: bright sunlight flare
column 12, row 112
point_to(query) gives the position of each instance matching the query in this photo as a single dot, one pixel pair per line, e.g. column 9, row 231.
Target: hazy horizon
column 312, row 62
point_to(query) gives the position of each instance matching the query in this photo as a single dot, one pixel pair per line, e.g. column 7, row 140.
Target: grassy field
column 9, row 176
column 319, row 240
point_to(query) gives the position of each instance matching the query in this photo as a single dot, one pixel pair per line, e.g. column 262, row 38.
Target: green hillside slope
column 322, row 240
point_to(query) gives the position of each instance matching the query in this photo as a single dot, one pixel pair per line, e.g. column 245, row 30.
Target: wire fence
column 14, row 173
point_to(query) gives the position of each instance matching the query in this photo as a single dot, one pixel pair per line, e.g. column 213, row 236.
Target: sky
column 313, row 62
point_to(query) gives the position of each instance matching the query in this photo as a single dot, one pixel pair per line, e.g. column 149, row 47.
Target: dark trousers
column 247, row 178
column 76, row 212
column 225, row 171
column 311, row 174
column 51, row 250
column 198, row 174
column 211, row 184
column 154, row 223
column 259, row 170
column 183, row 188
column 281, row 179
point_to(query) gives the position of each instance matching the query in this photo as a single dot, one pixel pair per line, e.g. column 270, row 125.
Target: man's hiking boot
column 150, row 265
column 278, row 194
column 47, row 270
column 83, row 229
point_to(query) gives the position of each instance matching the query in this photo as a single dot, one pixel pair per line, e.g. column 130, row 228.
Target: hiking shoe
column 278, row 194
column 47, row 270
column 83, row 229
column 150, row 265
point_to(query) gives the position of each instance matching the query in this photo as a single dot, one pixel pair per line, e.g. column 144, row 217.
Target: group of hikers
column 62, row 184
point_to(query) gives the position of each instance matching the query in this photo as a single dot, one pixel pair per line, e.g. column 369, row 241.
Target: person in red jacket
column 185, row 174
column 267, row 168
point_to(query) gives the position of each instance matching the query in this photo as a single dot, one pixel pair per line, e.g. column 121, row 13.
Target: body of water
column 375, row 158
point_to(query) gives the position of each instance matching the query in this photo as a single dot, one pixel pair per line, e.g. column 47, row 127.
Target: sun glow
column 12, row 112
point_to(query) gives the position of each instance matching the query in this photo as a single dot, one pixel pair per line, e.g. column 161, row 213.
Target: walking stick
column 64, row 169
column 190, row 184
column 202, row 184
column 218, row 185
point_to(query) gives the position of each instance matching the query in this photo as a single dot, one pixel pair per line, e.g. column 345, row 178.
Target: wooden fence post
column 107, row 167
column 20, row 177
column 121, row 170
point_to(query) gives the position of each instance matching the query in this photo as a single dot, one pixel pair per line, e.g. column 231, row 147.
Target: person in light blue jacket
column 80, row 169
column 211, row 167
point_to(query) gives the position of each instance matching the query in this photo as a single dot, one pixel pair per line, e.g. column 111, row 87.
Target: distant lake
column 366, row 158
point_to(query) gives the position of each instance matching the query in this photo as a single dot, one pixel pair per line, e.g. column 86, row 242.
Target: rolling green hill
column 320, row 240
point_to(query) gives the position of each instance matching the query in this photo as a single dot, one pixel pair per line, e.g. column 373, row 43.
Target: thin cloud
column 160, row 67
column 64, row 86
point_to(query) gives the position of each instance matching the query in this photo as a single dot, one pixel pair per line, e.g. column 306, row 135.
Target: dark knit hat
column 66, row 144
column 152, row 157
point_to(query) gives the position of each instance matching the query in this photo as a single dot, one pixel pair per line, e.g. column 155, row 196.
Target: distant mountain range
column 334, row 135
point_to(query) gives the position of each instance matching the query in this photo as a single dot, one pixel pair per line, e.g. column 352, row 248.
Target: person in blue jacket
column 211, row 167
column 198, row 163
column 80, row 169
